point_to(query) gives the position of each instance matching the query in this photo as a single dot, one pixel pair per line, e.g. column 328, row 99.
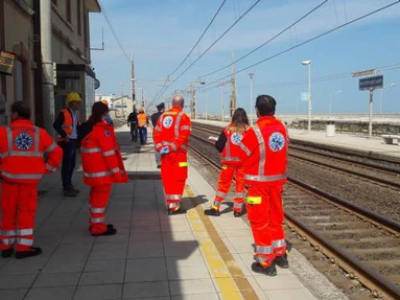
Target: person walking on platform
column 171, row 138
column 154, row 118
column 108, row 119
column 227, row 143
column 66, row 124
column 132, row 123
column 22, row 165
column 142, row 124
column 102, row 167
column 264, row 152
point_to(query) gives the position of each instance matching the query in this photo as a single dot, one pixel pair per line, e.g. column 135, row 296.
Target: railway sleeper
column 342, row 225
column 351, row 234
column 369, row 243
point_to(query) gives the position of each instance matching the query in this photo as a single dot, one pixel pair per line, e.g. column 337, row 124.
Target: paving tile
column 146, row 290
column 14, row 294
column 98, row 292
column 59, row 293
column 289, row 294
column 182, row 273
column 145, row 269
column 106, row 255
column 102, row 278
column 111, row 265
column 192, row 287
column 280, row 282
column 57, row 280
column 64, row 266
column 16, row 281
column 196, row 297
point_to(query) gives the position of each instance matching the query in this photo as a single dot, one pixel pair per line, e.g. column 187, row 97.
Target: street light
column 192, row 90
column 251, row 75
column 308, row 63
column 221, row 88
column 381, row 98
column 330, row 102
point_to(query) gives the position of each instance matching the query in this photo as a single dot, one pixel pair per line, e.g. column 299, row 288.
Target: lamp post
column 251, row 75
column 308, row 63
column 330, row 102
column 192, row 91
column 221, row 88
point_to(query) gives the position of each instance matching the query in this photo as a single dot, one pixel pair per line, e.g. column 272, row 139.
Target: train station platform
column 359, row 145
column 153, row 256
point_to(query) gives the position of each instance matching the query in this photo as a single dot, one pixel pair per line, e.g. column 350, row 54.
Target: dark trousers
column 143, row 135
column 68, row 162
column 134, row 132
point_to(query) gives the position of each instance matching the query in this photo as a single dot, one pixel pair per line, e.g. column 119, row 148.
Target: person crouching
column 102, row 166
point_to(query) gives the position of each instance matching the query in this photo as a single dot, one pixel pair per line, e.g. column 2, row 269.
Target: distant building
column 122, row 106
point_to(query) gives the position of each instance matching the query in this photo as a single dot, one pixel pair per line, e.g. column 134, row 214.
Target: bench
column 389, row 138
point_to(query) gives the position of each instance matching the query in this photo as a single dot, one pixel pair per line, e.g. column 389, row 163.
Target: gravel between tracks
column 376, row 198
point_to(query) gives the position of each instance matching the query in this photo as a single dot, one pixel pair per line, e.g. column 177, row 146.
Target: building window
column 18, row 81
column 79, row 16
column 69, row 12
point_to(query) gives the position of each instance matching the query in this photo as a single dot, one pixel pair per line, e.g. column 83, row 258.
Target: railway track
column 364, row 244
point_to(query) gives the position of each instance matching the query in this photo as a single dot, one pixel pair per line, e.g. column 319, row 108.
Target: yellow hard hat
column 71, row 97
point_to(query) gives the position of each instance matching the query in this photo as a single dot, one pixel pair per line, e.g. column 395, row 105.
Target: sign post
column 371, row 84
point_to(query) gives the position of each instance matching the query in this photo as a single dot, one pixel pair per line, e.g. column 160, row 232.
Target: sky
column 160, row 34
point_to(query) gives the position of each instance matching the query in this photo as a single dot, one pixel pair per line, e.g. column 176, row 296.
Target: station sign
column 371, row 83
column 6, row 62
column 364, row 73
column 120, row 106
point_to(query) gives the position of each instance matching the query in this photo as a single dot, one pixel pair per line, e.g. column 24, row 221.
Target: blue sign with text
column 371, row 83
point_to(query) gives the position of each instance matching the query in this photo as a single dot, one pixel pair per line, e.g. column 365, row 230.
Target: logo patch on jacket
column 107, row 133
column 23, row 141
column 167, row 122
column 276, row 141
column 236, row 138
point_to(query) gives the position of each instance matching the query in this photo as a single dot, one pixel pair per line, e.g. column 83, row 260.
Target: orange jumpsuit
column 102, row 166
column 22, row 165
column 264, row 152
column 230, row 166
column 173, row 130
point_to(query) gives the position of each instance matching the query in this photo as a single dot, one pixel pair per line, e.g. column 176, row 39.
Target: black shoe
column 34, row 251
column 176, row 212
column 75, row 190
column 70, row 192
column 270, row 271
column 212, row 212
column 7, row 253
column 282, row 261
column 238, row 214
column 110, row 231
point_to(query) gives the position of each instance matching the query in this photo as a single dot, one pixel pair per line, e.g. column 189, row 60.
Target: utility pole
column 192, row 92
column 233, row 82
column 122, row 99
column 47, row 64
column 133, row 90
column 221, row 88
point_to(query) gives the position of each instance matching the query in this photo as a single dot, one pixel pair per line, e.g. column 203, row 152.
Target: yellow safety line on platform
column 232, row 283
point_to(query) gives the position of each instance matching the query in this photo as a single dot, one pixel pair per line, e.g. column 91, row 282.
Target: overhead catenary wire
column 307, row 41
column 208, row 49
column 267, row 42
column 107, row 19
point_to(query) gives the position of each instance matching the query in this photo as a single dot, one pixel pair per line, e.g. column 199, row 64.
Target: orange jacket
column 264, row 152
column 142, row 120
column 230, row 154
column 101, row 157
column 173, row 130
column 68, row 124
column 22, row 150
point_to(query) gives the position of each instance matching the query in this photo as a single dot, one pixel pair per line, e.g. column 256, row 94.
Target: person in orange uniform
column 264, row 152
column 142, row 125
column 22, row 165
column 102, row 166
column 228, row 144
column 171, row 138
column 66, row 124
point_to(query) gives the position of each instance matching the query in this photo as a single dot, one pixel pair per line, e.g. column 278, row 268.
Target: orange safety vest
column 173, row 129
column 22, row 149
column 101, row 157
column 142, row 119
column 265, row 144
column 68, row 125
column 230, row 154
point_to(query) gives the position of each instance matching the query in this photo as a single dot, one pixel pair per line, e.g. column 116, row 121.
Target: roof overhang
column 93, row 6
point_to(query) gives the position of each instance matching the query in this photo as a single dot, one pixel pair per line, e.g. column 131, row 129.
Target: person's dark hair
column 240, row 120
column 99, row 109
column 266, row 105
column 23, row 111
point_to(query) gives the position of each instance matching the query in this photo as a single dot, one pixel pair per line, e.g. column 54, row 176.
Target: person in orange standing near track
column 102, row 166
column 171, row 138
column 264, row 152
column 228, row 144
column 22, row 165
column 142, row 125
